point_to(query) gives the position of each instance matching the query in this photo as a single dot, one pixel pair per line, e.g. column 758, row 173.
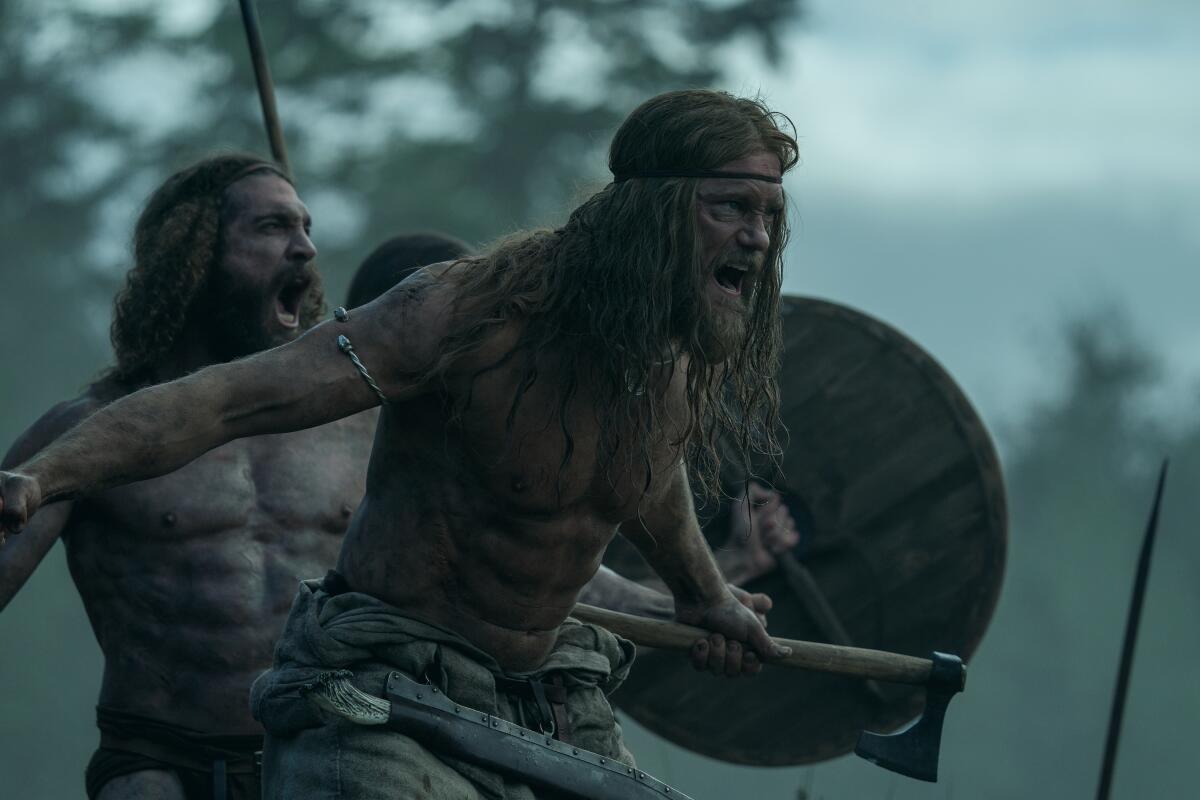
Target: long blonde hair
column 602, row 299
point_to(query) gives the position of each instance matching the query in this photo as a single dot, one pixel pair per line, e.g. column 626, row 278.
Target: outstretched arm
column 672, row 543
column 304, row 383
column 21, row 558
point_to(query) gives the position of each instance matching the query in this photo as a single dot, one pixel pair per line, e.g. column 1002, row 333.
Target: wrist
column 35, row 476
column 694, row 605
column 658, row 606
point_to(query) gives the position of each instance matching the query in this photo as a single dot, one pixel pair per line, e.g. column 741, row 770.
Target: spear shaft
column 266, row 89
column 1131, row 633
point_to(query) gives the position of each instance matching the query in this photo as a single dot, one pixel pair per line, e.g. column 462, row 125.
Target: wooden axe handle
column 855, row 662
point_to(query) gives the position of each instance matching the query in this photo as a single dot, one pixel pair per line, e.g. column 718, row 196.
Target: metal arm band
column 346, row 347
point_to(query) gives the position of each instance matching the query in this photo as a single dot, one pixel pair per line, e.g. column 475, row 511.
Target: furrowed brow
column 729, row 192
column 284, row 215
column 754, row 196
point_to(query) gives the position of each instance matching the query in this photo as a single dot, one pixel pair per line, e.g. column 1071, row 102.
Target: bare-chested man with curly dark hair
column 187, row 578
column 533, row 400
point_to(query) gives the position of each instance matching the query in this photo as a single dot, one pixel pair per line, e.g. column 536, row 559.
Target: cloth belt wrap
column 331, row 628
column 564, row 772
column 548, row 698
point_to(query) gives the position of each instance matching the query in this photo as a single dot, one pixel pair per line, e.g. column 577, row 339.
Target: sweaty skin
column 461, row 524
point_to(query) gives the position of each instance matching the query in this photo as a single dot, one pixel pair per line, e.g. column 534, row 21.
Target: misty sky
column 975, row 173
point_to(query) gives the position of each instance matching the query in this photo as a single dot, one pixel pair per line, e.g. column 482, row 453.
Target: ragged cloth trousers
column 308, row 754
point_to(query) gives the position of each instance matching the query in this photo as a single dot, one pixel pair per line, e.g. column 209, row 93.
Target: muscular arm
column 304, row 383
column 19, row 559
column 160, row 429
column 671, row 542
column 673, row 545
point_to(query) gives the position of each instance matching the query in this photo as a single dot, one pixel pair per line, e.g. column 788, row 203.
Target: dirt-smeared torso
column 188, row 578
column 483, row 528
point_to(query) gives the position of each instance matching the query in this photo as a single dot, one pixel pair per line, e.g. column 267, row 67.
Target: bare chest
column 261, row 487
column 542, row 451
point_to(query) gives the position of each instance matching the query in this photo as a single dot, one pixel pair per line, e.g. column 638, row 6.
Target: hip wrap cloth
column 309, row 754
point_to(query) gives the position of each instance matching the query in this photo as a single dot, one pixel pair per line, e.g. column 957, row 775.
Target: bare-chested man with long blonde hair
column 554, row 389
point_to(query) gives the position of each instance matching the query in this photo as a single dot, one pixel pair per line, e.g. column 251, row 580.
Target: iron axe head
column 914, row 750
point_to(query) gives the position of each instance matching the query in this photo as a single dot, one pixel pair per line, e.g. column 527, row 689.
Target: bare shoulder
column 498, row 338
column 61, row 418
column 416, row 315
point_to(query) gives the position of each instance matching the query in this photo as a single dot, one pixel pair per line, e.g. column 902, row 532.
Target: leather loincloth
column 132, row 743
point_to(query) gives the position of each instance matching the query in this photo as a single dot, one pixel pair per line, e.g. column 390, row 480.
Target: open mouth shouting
column 289, row 299
column 732, row 279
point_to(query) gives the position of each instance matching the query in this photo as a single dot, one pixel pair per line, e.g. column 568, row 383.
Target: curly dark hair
column 604, row 297
column 176, row 245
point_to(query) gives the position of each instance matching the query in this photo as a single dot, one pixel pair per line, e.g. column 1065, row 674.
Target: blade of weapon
column 1131, row 633
column 266, row 89
column 913, row 752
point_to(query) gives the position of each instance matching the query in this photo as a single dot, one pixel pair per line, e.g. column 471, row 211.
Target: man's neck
column 191, row 352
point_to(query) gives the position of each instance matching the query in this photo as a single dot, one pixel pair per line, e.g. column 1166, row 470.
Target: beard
column 716, row 329
column 241, row 319
column 722, row 326
column 721, row 333
column 725, row 289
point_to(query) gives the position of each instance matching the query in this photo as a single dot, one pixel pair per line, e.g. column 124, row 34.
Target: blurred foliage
column 472, row 116
column 1080, row 476
column 46, row 125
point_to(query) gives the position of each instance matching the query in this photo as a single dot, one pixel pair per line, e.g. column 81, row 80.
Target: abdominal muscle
column 479, row 526
column 504, row 584
column 184, row 638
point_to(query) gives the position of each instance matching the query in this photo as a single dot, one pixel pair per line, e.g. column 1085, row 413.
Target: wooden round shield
column 897, row 490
